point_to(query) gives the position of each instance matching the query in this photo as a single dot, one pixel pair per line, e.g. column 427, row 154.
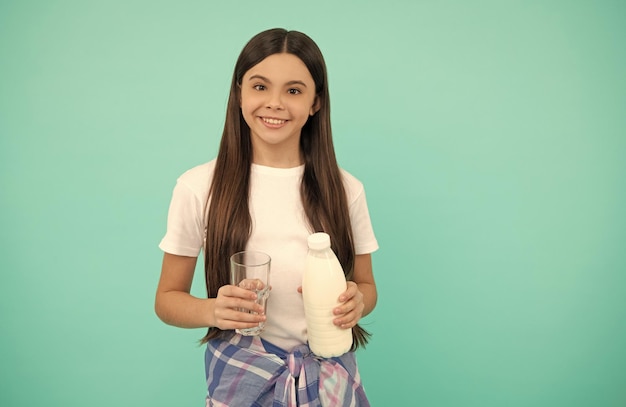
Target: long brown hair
column 323, row 196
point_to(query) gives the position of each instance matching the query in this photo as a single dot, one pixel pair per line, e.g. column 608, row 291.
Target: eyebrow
column 263, row 78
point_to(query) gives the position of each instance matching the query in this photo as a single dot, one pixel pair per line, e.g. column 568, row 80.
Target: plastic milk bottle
column 322, row 284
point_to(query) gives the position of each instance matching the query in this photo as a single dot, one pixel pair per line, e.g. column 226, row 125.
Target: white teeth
column 273, row 121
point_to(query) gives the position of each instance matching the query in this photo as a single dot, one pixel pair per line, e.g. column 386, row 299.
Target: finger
column 345, row 308
column 228, row 324
column 253, row 284
column 237, row 292
column 345, row 323
column 349, row 319
column 350, row 304
column 226, row 301
column 233, row 318
column 353, row 306
column 245, row 306
column 351, row 290
column 245, row 317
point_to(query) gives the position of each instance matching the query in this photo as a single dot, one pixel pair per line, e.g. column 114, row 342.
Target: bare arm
column 360, row 297
column 174, row 304
column 364, row 278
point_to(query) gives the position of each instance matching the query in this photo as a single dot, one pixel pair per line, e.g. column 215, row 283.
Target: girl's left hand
column 351, row 310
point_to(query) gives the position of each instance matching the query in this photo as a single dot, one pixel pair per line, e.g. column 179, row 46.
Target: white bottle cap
column 319, row 241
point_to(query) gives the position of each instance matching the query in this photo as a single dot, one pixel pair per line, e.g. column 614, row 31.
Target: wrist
column 209, row 312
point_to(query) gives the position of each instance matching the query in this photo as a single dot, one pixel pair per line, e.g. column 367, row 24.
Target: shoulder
column 354, row 188
column 198, row 178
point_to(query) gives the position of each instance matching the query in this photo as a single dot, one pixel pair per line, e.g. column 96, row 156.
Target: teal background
column 491, row 138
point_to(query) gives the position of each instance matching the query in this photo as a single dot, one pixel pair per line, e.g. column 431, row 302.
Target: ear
column 316, row 106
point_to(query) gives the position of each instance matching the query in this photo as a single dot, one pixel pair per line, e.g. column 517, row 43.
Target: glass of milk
column 251, row 270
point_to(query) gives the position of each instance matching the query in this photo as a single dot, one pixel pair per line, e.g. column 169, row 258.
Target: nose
column 274, row 101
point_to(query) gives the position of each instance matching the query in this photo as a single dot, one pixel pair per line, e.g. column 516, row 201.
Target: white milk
column 322, row 284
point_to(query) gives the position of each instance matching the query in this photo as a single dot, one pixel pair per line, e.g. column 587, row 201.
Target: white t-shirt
column 279, row 228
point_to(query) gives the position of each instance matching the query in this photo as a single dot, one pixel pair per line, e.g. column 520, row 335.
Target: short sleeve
column 185, row 224
column 363, row 232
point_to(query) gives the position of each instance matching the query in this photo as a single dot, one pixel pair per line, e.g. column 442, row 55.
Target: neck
column 277, row 157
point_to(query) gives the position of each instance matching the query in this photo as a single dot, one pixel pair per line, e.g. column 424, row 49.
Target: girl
column 274, row 182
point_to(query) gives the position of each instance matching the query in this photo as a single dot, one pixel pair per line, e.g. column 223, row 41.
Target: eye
column 259, row 87
column 294, row 91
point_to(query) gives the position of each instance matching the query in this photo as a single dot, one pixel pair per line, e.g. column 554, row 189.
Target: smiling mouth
column 273, row 121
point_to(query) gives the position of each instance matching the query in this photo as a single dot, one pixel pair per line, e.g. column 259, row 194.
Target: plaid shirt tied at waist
column 247, row 371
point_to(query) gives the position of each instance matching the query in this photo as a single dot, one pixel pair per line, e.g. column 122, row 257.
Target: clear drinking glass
column 251, row 270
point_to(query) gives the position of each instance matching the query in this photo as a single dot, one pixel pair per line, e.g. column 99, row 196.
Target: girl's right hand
column 233, row 307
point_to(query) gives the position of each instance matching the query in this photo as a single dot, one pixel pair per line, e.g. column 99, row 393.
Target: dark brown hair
column 323, row 196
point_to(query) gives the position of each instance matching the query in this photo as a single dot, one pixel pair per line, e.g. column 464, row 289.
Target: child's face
column 277, row 98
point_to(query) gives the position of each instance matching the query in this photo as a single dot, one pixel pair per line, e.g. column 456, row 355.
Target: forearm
column 370, row 296
column 183, row 310
column 364, row 279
